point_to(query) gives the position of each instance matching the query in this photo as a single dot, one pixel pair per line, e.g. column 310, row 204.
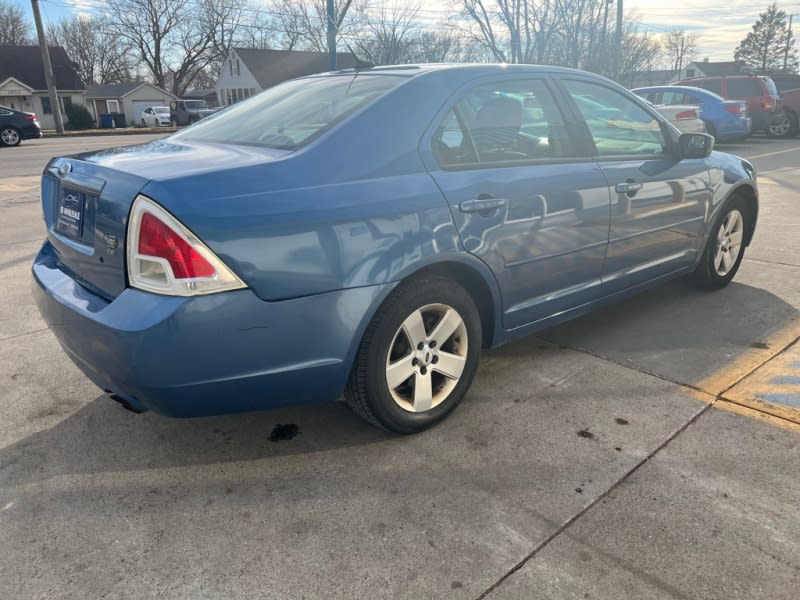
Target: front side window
column 619, row 126
column 507, row 121
column 291, row 114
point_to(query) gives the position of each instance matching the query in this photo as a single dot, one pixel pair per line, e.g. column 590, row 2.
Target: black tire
column 711, row 130
column 707, row 274
column 368, row 391
column 144, row 124
column 795, row 125
column 782, row 128
column 10, row 136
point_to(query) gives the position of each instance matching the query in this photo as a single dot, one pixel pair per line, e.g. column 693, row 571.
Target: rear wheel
column 725, row 248
column 144, row 123
column 710, row 129
column 418, row 356
column 10, row 136
column 782, row 127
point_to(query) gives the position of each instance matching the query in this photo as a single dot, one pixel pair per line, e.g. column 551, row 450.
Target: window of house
column 690, row 72
column 235, row 71
column 113, row 106
column 65, row 102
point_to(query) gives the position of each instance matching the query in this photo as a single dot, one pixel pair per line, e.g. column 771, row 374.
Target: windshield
column 293, row 113
column 195, row 103
column 161, row 109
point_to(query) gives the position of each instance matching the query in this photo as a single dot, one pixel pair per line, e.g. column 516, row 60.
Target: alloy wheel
column 729, row 242
column 426, row 357
column 9, row 137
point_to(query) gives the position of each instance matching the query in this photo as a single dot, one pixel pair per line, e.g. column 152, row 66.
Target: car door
column 537, row 215
column 659, row 202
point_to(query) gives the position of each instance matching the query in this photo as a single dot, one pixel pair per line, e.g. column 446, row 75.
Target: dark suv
column 760, row 93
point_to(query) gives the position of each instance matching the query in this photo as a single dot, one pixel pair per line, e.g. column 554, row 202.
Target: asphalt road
column 649, row 450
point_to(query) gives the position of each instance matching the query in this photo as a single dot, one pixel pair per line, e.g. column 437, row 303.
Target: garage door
column 140, row 105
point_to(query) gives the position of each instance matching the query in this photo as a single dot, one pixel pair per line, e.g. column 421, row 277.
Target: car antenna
column 360, row 63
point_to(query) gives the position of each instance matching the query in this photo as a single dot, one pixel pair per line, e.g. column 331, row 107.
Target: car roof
column 460, row 71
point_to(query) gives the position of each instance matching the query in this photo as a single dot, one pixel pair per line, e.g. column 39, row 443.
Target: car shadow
column 674, row 331
column 678, row 332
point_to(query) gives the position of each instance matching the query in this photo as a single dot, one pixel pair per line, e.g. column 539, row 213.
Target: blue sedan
column 726, row 120
column 369, row 232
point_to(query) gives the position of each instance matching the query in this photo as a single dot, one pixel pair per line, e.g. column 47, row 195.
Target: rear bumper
column 31, row 133
column 733, row 128
column 205, row 355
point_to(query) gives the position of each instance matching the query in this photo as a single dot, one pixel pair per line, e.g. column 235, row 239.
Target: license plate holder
column 71, row 207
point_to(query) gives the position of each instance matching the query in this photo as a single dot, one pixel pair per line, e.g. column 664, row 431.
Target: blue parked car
column 726, row 120
column 368, row 232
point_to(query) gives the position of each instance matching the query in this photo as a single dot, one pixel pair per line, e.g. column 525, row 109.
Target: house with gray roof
column 704, row 68
column 23, row 86
column 129, row 99
column 248, row 71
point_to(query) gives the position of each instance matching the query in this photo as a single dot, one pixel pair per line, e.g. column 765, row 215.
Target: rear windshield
column 292, row 114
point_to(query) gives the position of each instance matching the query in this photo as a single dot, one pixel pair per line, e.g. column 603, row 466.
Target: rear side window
column 502, row 122
column 712, row 85
column 619, row 126
column 292, row 114
column 744, row 88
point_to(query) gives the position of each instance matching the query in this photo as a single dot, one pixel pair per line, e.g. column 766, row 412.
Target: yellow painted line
column 767, row 370
column 757, row 414
column 751, row 359
column 772, row 153
column 774, row 388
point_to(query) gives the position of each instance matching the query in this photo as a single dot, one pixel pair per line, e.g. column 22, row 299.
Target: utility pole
column 48, row 69
column 331, row 35
column 618, row 52
column 788, row 41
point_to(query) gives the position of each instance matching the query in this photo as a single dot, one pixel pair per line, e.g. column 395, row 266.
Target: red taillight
column 30, row 117
column 157, row 240
column 739, row 110
column 768, row 104
column 686, row 115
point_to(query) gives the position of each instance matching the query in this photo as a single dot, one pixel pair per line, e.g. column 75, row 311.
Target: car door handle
column 485, row 203
column 629, row 187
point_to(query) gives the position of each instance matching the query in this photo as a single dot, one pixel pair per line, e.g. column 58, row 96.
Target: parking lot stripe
column 760, row 353
column 772, row 153
column 774, row 388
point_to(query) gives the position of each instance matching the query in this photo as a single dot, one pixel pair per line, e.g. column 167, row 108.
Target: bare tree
column 303, row 24
column 679, row 48
column 98, row 55
column 15, row 30
column 389, row 36
column 176, row 40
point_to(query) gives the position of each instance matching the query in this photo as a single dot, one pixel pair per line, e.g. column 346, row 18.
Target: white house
column 131, row 99
column 705, row 68
column 23, row 86
column 248, row 71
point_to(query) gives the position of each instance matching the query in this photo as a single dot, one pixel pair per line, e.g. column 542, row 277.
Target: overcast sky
column 719, row 24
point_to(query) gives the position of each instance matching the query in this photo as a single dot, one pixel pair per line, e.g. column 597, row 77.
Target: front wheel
column 725, row 248
column 418, row 356
column 9, row 136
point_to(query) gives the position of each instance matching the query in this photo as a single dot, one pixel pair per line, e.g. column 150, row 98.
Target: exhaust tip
column 128, row 402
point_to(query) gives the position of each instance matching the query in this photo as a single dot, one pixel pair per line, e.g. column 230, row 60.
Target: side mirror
column 695, row 145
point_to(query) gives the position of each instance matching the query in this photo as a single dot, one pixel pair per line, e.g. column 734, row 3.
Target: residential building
column 248, row 71
column 23, row 85
column 705, row 68
column 130, row 98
